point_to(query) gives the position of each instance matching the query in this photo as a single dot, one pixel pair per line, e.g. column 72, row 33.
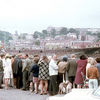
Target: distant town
column 51, row 38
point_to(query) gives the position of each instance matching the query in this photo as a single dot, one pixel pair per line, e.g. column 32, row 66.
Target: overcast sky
column 36, row 15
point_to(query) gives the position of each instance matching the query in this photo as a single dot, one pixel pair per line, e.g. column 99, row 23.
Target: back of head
column 30, row 57
column 82, row 57
column 65, row 58
column 93, row 62
column 73, row 56
column 98, row 60
column 44, row 57
column 2, row 55
column 13, row 56
column 49, row 58
column 36, row 55
column 36, row 59
column 89, row 59
column 54, row 57
column 26, row 55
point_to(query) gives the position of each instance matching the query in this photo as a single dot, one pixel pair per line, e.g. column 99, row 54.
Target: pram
column 85, row 81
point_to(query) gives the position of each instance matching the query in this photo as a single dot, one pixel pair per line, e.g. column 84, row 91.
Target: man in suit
column 71, row 68
column 17, row 71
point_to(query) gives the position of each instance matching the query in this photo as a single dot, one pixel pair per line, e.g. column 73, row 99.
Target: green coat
column 71, row 67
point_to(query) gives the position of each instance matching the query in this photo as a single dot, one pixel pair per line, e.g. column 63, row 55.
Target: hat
column 65, row 58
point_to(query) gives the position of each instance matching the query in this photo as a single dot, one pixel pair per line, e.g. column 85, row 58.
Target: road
column 17, row 94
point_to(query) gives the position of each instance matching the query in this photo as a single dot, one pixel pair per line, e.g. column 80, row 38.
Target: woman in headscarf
column 81, row 69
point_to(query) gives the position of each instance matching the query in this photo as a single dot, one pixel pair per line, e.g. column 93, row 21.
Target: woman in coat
column 81, row 69
column 7, row 70
column 44, row 74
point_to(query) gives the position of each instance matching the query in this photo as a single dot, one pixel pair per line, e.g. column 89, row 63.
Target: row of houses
column 70, row 40
column 52, row 44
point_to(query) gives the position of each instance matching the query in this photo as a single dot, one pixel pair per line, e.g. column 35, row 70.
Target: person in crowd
column 7, row 70
column 62, row 66
column 88, row 65
column 93, row 75
column 98, row 66
column 12, row 61
column 53, row 73
column 44, row 74
column 71, row 68
column 25, row 70
column 81, row 69
column 58, row 61
column 3, row 59
column 31, row 73
column 17, row 71
column 35, row 71
column 1, row 71
column 49, row 58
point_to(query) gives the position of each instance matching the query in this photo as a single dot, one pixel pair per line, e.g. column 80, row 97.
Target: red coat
column 81, row 67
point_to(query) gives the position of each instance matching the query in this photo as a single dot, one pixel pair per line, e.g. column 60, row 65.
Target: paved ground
column 15, row 94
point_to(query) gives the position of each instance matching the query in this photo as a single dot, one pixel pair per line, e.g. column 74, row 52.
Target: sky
column 27, row 16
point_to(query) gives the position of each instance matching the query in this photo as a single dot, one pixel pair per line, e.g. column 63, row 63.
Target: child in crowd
column 35, row 71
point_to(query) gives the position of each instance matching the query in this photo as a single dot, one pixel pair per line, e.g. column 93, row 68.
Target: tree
column 63, row 31
column 53, row 33
column 35, row 35
column 72, row 30
column 45, row 33
column 37, row 43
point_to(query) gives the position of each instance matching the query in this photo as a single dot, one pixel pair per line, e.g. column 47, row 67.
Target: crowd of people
column 46, row 73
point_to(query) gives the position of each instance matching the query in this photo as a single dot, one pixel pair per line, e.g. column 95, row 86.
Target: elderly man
column 25, row 70
column 53, row 72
